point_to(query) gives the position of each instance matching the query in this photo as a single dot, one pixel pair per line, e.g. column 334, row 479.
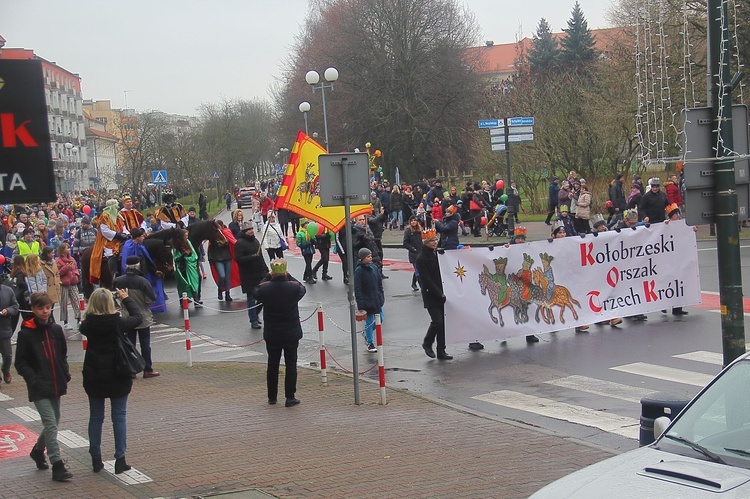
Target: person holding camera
column 100, row 380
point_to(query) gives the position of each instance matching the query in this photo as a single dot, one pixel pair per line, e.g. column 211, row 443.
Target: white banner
column 545, row 286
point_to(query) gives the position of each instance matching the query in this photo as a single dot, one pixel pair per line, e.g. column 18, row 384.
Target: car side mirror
column 660, row 425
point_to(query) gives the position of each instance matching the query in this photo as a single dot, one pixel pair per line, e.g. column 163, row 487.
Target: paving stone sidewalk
column 208, row 430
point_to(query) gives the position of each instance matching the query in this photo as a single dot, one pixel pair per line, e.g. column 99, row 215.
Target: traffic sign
column 159, row 177
column 497, row 132
column 216, row 175
column 498, row 147
column 515, row 130
column 521, row 121
column 491, row 123
column 526, row 137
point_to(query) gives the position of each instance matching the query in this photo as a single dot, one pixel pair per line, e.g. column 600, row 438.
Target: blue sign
column 491, row 123
column 521, row 121
column 216, row 175
column 159, row 177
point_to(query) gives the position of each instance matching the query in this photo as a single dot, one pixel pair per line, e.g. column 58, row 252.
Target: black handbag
column 128, row 360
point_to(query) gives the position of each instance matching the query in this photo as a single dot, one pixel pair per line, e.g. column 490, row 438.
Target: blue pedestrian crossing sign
column 159, row 177
column 216, row 175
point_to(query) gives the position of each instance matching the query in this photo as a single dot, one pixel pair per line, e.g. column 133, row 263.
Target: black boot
column 60, row 473
column 443, row 356
column 121, row 465
column 97, row 464
column 428, row 350
column 38, row 456
column 326, row 277
column 414, row 286
column 229, row 298
column 221, row 295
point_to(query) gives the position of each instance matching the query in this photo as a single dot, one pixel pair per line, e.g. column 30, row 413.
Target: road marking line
column 611, row 423
column 245, row 354
column 72, row 439
column 168, row 330
column 666, row 373
column 702, row 356
column 5, row 398
column 746, row 314
column 130, row 477
column 602, row 387
column 166, row 337
column 26, row 413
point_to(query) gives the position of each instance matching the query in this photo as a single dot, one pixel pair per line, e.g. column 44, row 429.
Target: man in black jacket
column 362, row 237
column 653, row 203
column 252, row 269
column 375, row 223
column 280, row 294
column 142, row 294
column 432, row 296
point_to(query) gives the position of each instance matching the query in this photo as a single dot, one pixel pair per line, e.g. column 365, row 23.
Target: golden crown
column 520, row 231
column 671, row 208
column 429, row 234
column 278, row 266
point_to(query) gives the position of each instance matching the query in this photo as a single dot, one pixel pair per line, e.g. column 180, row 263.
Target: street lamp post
column 68, row 173
column 284, row 151
column 304, row 107
column 312, row 78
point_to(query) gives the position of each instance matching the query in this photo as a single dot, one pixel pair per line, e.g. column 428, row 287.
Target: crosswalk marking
column 601, row 387
column 72, row 439
column 220, row 350
column 130, row 477
column 612, row 423
column 702, row 356
column 26, row 413
column 168, row 330
column 665, row 373
column 5, row 398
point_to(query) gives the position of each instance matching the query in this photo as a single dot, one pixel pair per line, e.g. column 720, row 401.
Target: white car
column 704, row 452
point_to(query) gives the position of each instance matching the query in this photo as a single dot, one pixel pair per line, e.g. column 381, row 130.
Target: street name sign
column 516, row 130
column 521, row 121
column 498, row 147
column 491, row 123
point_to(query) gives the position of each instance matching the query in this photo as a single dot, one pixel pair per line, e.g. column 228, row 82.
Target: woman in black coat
column 100, row 381
column 413, row 244
column 252, row 269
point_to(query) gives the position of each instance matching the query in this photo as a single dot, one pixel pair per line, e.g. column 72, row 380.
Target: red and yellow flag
column 299, row 192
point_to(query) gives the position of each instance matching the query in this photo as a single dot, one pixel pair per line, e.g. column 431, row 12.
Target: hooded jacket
column 99, row 377
column 42, row 359
column 449, row 230
column 280, row 295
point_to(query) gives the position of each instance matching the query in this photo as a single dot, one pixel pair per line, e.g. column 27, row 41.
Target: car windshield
column 717, row 424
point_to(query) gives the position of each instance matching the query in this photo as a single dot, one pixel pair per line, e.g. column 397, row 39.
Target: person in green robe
column 500, row 278
column 186, row 267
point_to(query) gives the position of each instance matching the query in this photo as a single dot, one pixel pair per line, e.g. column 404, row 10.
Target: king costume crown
column 429, row 234
column 278, row 266
column 520, row 232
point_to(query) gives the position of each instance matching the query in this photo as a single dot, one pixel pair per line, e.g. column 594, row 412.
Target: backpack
column 7, row 280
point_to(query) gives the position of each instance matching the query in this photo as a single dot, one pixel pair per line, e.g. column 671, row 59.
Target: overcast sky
column 173, row 55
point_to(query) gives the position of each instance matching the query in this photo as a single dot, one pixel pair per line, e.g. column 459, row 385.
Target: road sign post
column 354, row 184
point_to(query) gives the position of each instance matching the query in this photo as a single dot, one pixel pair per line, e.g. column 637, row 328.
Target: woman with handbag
column 100, row 380
column 274, row 242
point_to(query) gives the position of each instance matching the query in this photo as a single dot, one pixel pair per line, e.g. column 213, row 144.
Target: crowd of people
column 43, row 245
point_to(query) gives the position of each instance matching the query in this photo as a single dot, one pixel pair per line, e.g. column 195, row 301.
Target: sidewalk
column 207, row 430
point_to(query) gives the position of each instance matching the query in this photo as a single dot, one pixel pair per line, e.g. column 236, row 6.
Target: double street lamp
column 313, row 79
column 304, row 108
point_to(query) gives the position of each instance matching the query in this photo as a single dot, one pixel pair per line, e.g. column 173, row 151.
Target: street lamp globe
column 68, row 146
column 312, row 77
column 330, row 74
column 304, row 106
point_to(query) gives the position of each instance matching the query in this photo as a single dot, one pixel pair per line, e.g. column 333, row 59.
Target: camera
column 115, row 296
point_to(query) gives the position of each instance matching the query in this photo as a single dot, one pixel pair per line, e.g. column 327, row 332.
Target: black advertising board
column 26, row 170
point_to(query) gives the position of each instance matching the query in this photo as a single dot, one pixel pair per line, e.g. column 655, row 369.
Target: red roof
column 501, row 58
column 100, row 134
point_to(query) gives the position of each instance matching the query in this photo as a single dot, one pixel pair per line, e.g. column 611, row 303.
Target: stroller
column 497, row 225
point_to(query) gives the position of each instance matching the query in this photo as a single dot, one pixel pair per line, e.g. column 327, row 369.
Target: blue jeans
column 370, row 327
column 144, row 336
column 224, row 269
column 119, row 425
column 253, row 313
column 397, row 216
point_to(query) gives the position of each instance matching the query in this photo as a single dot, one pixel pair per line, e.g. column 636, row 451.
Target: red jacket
column 266, row 205
column 673, row 193
column 68, row 269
